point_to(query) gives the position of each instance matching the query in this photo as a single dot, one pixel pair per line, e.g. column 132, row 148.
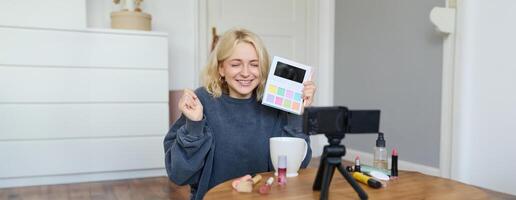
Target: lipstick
column 357, row 164
column 394, row 164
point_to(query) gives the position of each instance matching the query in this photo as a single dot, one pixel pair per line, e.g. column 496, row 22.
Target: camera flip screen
column 340, row 120
column 364, row 121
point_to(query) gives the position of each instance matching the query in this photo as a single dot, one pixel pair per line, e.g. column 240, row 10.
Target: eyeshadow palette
column 284, row 87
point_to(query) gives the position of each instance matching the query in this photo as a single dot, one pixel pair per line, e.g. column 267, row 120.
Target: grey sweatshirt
column 231, row 140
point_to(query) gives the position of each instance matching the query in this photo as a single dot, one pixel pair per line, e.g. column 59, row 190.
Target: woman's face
column 241, row 71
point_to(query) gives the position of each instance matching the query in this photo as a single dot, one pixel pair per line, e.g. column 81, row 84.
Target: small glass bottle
column 282, row 170
column 380, row 153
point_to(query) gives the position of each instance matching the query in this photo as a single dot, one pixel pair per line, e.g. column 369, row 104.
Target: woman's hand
column 308, row 93
column 190, row 105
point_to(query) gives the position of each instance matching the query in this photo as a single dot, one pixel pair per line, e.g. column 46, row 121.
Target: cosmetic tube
column 371, row 182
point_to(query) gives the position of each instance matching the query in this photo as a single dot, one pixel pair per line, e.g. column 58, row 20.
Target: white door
column 282, row 24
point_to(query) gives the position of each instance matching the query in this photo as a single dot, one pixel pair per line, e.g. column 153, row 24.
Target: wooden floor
column 133, row 189
column 137, row 189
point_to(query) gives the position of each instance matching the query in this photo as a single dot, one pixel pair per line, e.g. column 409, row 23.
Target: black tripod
column 331, row 159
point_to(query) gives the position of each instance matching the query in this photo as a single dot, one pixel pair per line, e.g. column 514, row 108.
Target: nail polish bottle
column 266, row 188
column 282, row 170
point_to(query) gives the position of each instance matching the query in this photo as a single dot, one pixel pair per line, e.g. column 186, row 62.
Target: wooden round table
column 410, row 185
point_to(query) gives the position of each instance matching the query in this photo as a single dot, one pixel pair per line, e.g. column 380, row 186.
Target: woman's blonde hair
column 226, row 44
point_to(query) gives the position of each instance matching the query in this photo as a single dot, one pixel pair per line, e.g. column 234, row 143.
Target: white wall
column 178, row 18
column 485, row 108
column 389, row 57
column 47, row 13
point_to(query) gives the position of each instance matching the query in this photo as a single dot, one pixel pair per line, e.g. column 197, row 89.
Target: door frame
column 450, row 94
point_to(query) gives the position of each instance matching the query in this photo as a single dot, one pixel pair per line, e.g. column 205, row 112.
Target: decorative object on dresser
column 130, row 16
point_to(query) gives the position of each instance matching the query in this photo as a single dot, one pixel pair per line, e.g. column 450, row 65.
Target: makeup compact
column 284, row 87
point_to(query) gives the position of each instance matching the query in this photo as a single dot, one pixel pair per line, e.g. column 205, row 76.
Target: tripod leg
column 320, row 172
column 326, row 180
column 361, row 193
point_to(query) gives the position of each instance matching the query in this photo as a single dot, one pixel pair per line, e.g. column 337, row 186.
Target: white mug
column 294, row 148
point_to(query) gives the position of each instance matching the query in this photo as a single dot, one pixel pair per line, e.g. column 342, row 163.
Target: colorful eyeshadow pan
column 283, row 98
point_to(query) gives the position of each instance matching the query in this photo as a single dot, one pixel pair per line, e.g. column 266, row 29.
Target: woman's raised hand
column 190, row 105
column 308, row 93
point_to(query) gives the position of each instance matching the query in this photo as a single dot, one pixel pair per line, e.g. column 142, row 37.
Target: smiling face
column 241, row 71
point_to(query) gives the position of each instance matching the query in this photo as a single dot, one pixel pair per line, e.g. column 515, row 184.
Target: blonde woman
column 224, row 129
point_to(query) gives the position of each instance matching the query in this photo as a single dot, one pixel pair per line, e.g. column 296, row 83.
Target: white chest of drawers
column 81, row 105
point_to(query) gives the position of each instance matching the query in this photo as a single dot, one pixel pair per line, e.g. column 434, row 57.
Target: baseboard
column 77, row 178
column 367, row 158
